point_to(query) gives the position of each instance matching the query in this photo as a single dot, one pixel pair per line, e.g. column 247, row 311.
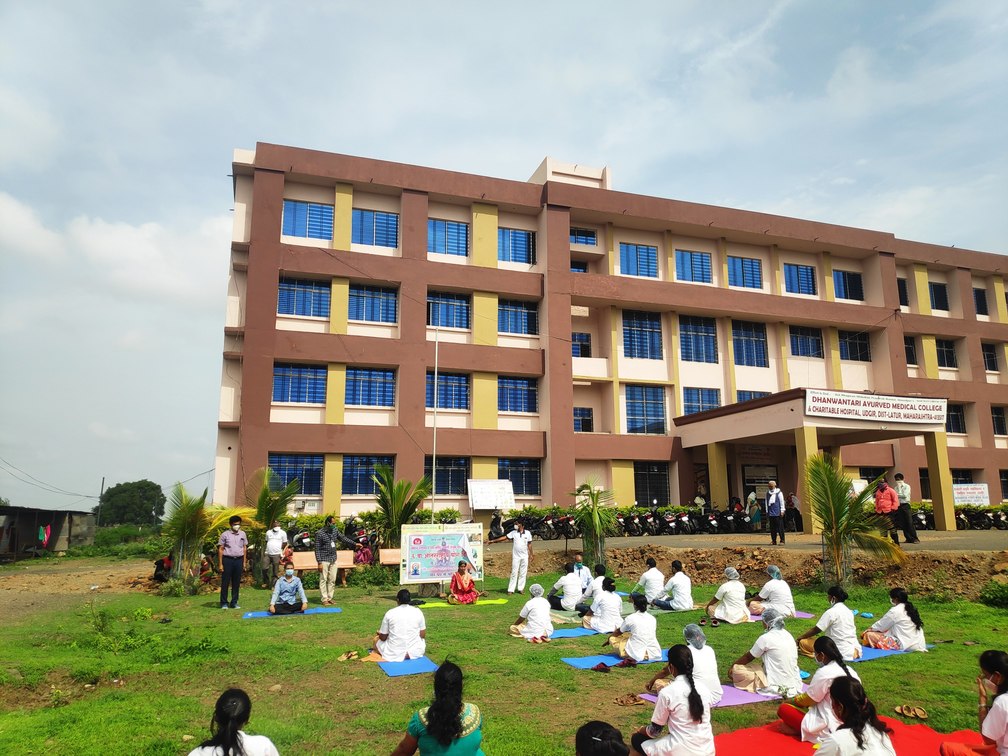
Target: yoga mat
column 573, row 632
column 587, row 662
column 798, row 615
column 731, row 696
column 480, row 602
column 622, row 593
column 312, row 610
column 868, row 654
column 408, row 667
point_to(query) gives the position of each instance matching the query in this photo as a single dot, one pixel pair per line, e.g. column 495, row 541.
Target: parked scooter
column 496, row 530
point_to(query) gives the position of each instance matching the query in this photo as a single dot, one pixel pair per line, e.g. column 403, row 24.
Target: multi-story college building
column 578, row 332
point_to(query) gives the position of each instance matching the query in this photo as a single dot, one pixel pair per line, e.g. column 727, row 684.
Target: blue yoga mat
column 573, row 632
column 868, row 654
column 409, row 667
column 587, row 662
column 313, row 610
column 622, row 593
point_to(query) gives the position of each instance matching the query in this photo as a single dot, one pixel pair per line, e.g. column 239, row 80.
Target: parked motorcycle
column 496, row 530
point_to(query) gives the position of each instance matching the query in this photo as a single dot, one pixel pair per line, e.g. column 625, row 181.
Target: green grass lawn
column 532, row 703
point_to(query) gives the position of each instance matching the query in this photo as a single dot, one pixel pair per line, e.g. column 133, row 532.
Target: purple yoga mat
column 730, row 697
column 798, row 615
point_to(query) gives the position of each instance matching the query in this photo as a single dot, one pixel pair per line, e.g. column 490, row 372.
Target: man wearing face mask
column 327, row 539
column 276, row 539
column 582, row 572
column 286, row 593
column 232, row 555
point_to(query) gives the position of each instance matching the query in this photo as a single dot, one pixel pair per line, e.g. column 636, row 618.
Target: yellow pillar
column 484, row 400
column 921, row 290
column 614, row 345
column 928, row 357
column 717, row 473
column 784, row 349
column 673, row 360
column 806, row 446
column 729, row 341
column 610, row 240
column 339, row 305
column 832, row 348
column 483, row 468
column 1000, row 306
column 828, row 290
column 484, row 241
column 332, row 484
column 623, row 482
column 776, row 284
column 484, row 318
column 722, row 262
column 936, row 447
column 335, row 394
column 343, row 216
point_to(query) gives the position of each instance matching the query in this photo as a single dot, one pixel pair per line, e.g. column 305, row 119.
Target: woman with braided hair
column 448, row 725
column 231, row 714
column 861, row 732
column 900, row 629
column 684, row 707
column 811, row 714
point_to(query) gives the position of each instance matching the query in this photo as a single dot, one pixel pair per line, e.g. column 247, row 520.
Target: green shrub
column 310, row 579
column 448, row 515
column 995, row 594
column 374, row 576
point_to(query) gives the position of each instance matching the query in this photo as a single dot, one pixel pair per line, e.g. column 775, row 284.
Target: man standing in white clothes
column 521, row 556
column 276, row 538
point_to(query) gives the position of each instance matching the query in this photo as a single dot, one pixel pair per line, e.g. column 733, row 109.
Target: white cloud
column 22, row 234
column 106, row 433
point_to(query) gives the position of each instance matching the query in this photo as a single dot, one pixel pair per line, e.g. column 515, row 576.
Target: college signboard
column 971, row 493
column 431, row 553
column 875, row 407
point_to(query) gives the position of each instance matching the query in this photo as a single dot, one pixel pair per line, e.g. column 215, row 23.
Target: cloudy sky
column 118, row 121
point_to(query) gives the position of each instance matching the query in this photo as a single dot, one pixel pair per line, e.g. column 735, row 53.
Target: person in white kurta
column 231, row 714
column 569, row 587
column 521, row 555
column 534, row 619
column 678, row 592
column 728, row 604
column 606, row 610
column 592, row 592
column 856, row 714
column 771, row 664
column 637, row 637
column 899, row 628
column 687, row 736
column 811, row 715
column 775, row 593
column 651, row 582
column 403, row 631
column 837, row 623
column 705, row 669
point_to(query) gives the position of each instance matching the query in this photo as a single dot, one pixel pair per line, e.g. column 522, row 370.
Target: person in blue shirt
column 286, row 593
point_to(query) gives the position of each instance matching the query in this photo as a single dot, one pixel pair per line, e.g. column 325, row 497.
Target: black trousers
column 904, row 521
column 554, row 602
column 776, row 529
column 231, row 576
column 287, row 609
column 890, row 518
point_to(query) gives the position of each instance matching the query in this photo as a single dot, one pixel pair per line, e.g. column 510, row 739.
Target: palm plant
column 594, row 517
column 268, row 501
column 848, row 519
column 397, row 501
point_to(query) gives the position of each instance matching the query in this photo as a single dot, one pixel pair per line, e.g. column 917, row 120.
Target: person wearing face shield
column 232, row 559
column 288, row 594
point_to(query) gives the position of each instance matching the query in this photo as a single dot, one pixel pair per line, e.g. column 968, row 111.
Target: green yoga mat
column 481, row 602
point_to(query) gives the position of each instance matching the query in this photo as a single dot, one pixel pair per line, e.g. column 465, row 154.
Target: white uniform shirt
column 679, row 589
column 519, row 543
column 652, row 581
column 403, row 624
column 995, row 724
column 902, row 491
column 779, row 653
column 819, row 721
column 595, row 589
column 684, row 735
column 776, row 594
column 537, row 618
column 705, row 671
column 643, row 642
column 897, row 623
column 584, row 574
column 570, row 584
column 606, row 615
column 837, row 623
column 275, row 539
column 731, row 605
column 843, row 743
column 253, row 745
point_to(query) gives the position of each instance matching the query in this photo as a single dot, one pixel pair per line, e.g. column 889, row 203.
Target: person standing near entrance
column 775, row 511
column 276, row 539
column 905, row 515
column 232, row 555
column 521, row 556
column 887, row 505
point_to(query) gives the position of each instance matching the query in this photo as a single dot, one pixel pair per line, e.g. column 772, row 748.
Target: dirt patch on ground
column 953, row 574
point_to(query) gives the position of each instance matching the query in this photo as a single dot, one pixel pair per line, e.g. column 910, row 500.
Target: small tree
column 848, row 519
column 262, row 493
column 397, row 500
column 594, row 517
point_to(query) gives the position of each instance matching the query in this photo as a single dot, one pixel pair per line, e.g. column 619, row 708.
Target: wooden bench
column 305, row 560
column 389, row 557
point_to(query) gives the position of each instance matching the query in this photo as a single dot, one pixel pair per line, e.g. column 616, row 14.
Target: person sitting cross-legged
column 570, row 584
column 605, row 614
column 533, row 623
column 463, row 588
column 811, row 714
column 403, row 631
column 637, row 637
column 728, row 603
column 678, row 593
column 288, row 594
column 772, row 663
column 592, row 591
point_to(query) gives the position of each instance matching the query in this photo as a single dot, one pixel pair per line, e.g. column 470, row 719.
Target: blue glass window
column 999, row 421
column 447, row 310
column 910, row 349
column 515, row 245
column 645, row 409
column 517, row 394
column 370, row 387
column 517, row 316
column 583, row 236
column 693, row 266
column 651, row 483
column 939, row 296
column 847, row 284
column 698, row 339
column 946, row 353
column 308, row 298
column 750, row 342
column 855, row 345
column 584, row 421
column 580, row 344
column 806, row 342
column 579, row 266
column 448, row 237
column 453, row 390
column 990, row 358
column 452, row 474
column 745, row 396
column 373, row 304
column 308, row 220
column 700, row 399
column 980, row 301
column 745, row 272
column 375, row 228
column 642, row 335
column 304, row 468
column 901, row 290
column 955, row 419
column 525, row 475
column 358, row 471
column 299, row 383
column 799, row 279
column 638, row 260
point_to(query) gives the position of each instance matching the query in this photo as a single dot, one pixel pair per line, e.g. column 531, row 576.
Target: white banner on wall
column 877, row 407
column 971, row 493
column 488, row 493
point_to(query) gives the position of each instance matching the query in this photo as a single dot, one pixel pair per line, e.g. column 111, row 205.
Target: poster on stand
column 431, row 553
